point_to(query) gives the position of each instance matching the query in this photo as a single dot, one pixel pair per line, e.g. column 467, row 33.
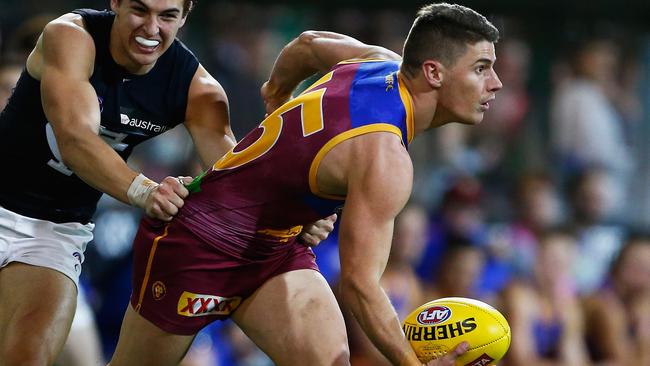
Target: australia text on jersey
column 145, row 125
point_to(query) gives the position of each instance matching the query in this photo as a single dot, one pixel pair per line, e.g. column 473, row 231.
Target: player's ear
column 183, row 19
column 433, row 72
column 115, row 4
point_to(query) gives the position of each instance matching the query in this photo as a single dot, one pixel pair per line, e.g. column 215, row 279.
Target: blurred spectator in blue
column 460, row 216
column 618, row 315
column 599, row 239
column 544, row 313
column 458, row 273
column 586, row 127
column 537, row 207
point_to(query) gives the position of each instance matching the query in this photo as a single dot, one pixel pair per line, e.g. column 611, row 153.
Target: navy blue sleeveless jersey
column 133, row 108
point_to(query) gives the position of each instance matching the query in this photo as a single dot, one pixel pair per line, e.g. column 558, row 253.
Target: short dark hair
column 442, row 31
column 188, row 5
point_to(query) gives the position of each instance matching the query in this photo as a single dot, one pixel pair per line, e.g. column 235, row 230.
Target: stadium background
column 467, row 180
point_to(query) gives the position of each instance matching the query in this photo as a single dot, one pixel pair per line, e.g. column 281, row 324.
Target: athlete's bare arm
column 378, row 175
column 379, row 184
column 207, row 118
column 71, row 106
column 312, row 52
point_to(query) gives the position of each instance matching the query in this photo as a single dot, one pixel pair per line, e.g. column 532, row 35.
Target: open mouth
column 486, row 105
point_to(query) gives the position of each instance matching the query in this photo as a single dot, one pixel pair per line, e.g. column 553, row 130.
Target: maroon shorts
column 182, row 284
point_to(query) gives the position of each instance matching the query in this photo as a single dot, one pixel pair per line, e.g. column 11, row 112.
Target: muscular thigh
column 36, row 308
column 182, row 284
column 295, row 319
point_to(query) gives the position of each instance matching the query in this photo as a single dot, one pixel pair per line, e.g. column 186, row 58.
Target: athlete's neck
column 425, row 100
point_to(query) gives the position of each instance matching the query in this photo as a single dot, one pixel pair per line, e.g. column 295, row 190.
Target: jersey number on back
column 311, row 118
column 114, row 139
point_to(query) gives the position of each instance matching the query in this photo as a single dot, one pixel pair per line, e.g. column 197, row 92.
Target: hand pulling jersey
column 133, row 109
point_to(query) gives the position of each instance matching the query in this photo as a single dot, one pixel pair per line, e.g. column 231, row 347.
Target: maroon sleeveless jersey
column 239, row 230
column 260, row 194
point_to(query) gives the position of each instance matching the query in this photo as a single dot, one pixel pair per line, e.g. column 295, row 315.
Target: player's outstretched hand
column 272, row 98
column 318, row 231
column 164, row 201
column 450, row 358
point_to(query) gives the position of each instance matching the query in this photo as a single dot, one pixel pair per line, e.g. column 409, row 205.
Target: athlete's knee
column 342, row 358
column 336, row 345
column 325, row 354
column 339, row 354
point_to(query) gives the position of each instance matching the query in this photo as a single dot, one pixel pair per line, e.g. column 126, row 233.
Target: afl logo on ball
column 434, row 315
column 159, row 290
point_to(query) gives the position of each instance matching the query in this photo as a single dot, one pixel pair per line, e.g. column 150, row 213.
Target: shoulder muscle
column 54, row 46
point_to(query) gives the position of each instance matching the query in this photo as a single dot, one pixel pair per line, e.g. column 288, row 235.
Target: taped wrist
column 140, row 189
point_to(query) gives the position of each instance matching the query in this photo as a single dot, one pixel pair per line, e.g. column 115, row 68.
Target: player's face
column 470, row 84
column 143, row 31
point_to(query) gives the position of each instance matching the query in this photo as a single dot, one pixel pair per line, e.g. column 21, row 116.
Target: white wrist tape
column 140, row 189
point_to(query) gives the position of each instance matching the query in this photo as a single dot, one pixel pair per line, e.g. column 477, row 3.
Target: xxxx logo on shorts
column 190, row 304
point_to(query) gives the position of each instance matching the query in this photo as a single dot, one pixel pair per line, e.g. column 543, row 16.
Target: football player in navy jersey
column 96, row 84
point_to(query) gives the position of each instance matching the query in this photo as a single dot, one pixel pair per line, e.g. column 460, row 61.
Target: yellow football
column 438, row 326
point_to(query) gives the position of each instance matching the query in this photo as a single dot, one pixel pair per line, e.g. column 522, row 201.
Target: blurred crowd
column 542, row 210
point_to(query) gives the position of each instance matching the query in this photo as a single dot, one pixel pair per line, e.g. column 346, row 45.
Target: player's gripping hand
column 272, row 97
column 318, row 231
column 160, row 201
column 450, row 358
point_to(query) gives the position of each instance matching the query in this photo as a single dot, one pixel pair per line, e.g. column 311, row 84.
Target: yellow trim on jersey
column 147, row 271
column 283, row 235
column 405, row 95
column 360, row 60
column 313, row 169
